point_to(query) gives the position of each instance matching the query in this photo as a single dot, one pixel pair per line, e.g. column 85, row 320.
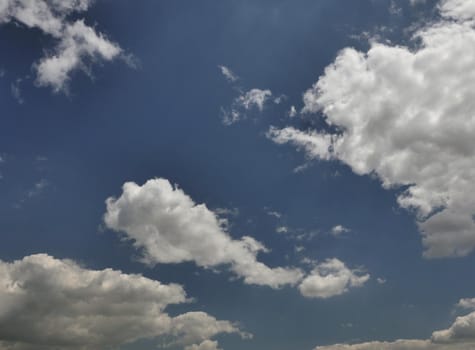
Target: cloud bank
column 459, row 336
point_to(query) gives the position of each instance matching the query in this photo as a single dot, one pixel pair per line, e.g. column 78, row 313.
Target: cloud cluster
column 169, row 227
column 459, row 336
column 331, row 278
column 77, row 45
column 46, row 303
column 406, row 115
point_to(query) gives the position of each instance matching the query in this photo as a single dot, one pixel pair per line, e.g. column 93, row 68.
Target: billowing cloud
column 46, row 303
column 331, row 278
column 459, row 336
column 467, row 303
column 406, row 115
column 78, row 44
column 167, row 226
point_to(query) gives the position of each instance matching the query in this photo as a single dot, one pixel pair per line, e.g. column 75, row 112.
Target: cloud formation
column 459, row 336
column 78, row 44
column 167, row 226
column 406, row 115
column 247, row 101
column 331, row 278
column 46, row 303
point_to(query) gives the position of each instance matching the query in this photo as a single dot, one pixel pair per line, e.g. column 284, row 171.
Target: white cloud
column 206, row 345
column 252, row 99
column 292, row 112
column 459, row 336
column 339, row 229
column 167, row 226
column 228, row 74
column 78, row 43
column 467, row 303
column 331, row 278
column 463, row 10
column 406, row 115
column 46, row 303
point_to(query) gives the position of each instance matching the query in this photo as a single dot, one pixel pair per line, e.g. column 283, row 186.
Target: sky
column 238, row 174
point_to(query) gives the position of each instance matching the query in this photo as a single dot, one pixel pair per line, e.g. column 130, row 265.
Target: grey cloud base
column 49, row 304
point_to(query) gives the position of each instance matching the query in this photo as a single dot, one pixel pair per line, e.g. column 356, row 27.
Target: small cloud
column 381, row 280
column 252, row 99
column 339, row 230
column 16, row 91
column 282, row 229
column 273, row 213
column 38, row 189
column 467, row 304
column 292, row 112
column 228, row 74
column 226, row 211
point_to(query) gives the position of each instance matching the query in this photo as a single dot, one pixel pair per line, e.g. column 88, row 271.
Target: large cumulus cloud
column 407, row 116
column 169, row 227
column 46, row 303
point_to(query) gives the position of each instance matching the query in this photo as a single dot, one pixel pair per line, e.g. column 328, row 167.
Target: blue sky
column 203, row 175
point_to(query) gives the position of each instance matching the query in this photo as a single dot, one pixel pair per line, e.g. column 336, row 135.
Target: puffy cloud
column 406, row 115
column 467, row 303
column 459, row 336
column 167, row 226
column 46, row 303
column 206, row 345
column 331, row 278
column 254, row 98
column 339, row 229
column 78, row 43
column 463, row 10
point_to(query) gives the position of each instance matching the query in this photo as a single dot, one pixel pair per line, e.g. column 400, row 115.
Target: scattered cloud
column 78, row 44
column 247, row 101
column 167, row 226
column 406, row 115
column 381, row 280
column 49, row 304
column 331, row 278
column 38, row 188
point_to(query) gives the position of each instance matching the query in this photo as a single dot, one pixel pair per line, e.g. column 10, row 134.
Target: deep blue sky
column 162, row 119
